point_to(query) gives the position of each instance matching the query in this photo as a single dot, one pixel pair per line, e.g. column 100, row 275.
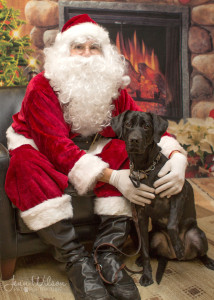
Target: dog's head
column 138, row 129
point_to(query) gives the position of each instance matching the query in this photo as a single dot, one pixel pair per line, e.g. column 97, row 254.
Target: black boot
column 115, row 230
column 83, row 277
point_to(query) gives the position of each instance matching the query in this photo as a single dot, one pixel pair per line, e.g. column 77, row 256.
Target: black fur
column 175, row 233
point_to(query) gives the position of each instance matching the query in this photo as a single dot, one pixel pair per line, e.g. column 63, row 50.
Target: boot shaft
column 63, row 239
column 113, row 230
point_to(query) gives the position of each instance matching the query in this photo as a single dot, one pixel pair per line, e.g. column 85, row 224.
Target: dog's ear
column 117, row 124
column 160, row 127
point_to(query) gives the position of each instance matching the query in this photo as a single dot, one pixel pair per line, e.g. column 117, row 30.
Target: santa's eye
column 78, row 47
column 95, row 47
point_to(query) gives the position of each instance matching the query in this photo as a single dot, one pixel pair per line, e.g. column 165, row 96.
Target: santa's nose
column 86, row 52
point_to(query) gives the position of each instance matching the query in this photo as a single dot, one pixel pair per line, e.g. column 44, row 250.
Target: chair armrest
column 8, row 247
column 4, row 154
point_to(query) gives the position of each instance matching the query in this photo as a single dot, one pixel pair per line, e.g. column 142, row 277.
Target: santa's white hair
column 86, row 86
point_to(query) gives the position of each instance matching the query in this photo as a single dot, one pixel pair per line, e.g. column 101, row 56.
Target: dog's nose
column 134, row 140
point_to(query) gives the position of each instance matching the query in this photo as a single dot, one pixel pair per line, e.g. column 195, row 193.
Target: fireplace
column 153, row 40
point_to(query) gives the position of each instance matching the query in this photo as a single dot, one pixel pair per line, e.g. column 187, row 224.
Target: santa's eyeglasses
column 86, row 48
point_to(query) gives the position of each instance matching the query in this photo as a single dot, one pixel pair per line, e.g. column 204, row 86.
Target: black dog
column 175, row 234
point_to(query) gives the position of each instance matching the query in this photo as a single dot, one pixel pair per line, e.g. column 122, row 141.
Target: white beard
column 86, row 87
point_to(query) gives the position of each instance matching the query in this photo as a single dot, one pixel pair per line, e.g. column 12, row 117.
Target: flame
column 147, row 79
column 137, row 54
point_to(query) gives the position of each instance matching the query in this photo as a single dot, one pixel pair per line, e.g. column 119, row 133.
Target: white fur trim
column 86, row 171
column 48, row 212
column 15, row 140
column 84, row 30
column 114, row 206
column 169, row 144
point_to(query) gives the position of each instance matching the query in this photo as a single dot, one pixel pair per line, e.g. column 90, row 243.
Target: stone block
column 204, row 63
column 201, row 88
column 36, row 36
column 49, row 37
column 203, row 14
column 42, row 13
column 202, row 109
column 199, row 40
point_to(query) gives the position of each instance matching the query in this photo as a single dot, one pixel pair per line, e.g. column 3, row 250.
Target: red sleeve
column 125, row 102
column 46, row 125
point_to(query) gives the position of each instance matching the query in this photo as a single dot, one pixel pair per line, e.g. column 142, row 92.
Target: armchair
column 16, row 239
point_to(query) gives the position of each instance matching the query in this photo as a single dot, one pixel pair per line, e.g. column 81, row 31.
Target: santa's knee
column 112, row 206
column 36, row 188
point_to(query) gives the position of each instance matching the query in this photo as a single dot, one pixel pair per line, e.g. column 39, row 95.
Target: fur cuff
column 114, row 206
column 48, row 212
column 169, row 144
column 85, row 173
column 15, row 140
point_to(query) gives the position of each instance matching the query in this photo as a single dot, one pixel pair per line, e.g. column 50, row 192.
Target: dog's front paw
column 146, row 280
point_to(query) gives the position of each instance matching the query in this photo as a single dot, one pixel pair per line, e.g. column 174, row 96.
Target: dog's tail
column 162, row 263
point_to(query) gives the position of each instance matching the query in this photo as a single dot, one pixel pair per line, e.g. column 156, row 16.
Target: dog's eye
column 128, row 124
column 146, row 126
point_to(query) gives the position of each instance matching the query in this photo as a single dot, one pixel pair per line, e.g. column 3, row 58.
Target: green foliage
column 15, row 49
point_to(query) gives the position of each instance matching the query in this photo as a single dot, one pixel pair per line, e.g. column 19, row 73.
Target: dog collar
column 137, row 176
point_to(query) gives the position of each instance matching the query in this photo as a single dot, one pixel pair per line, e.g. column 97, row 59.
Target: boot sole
column 77, row 298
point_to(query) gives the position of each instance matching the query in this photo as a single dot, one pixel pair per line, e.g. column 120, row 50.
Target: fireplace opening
column 152, row 42
column 147, row 67
column 147, row 74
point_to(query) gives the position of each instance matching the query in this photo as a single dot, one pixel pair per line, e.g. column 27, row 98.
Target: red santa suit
column 44, row 159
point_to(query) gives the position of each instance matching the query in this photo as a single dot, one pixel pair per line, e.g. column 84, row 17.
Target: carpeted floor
column 39, row 277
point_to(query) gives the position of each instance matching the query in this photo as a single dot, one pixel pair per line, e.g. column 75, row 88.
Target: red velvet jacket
column 41, row 119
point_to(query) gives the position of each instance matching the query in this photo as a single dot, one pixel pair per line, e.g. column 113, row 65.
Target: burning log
column 147, row 82
column 135, row 78
column 155, row 79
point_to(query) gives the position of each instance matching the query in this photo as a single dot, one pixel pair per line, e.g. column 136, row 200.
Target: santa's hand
column 120, row 179
column 172, row 176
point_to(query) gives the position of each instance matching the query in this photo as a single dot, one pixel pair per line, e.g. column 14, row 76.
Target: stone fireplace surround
column 44, row 16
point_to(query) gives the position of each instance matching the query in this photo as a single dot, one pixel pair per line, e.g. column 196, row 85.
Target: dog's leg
column 196, row 245
column 146, row 278
column 162, row 263
column 176, row 211
column 160, row 249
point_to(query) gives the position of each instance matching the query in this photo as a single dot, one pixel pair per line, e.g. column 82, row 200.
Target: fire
column 146, row 78
column 136, row 54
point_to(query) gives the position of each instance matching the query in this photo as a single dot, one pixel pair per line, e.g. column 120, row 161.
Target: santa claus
column 70, row 104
